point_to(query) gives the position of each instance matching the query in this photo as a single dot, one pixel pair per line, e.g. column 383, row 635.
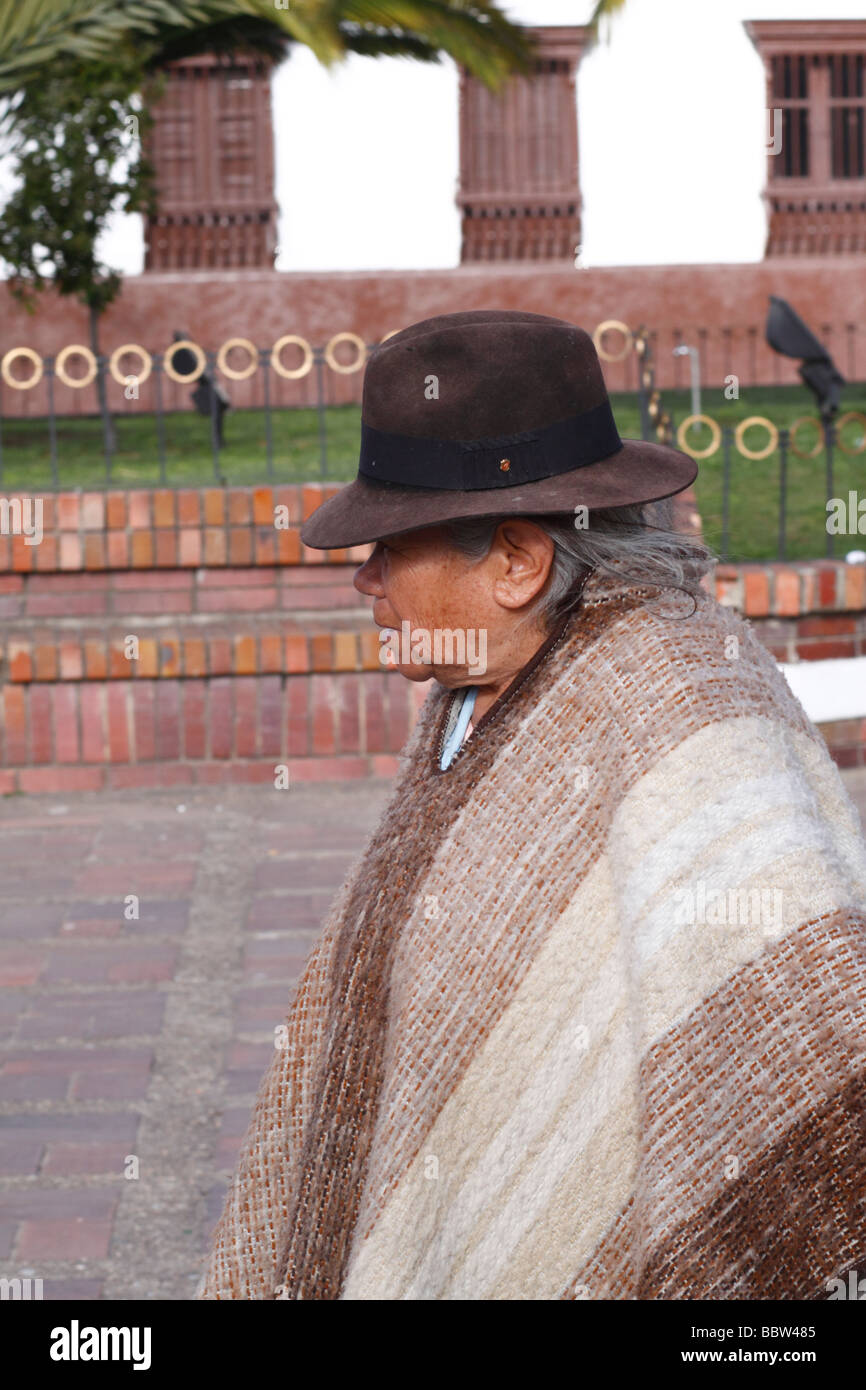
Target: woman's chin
column 413, row 672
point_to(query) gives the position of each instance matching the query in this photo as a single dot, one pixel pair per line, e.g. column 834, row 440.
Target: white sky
column 671, row 125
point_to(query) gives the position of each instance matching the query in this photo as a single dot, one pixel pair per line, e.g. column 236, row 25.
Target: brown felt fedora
column 488, row 413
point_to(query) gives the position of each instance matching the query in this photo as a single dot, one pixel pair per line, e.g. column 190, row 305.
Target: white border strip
column 829, row 690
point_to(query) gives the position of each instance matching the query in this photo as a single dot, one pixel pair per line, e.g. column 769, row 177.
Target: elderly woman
column 587, row 1018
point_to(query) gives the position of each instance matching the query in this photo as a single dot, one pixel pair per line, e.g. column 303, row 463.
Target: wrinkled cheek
column 431, row 601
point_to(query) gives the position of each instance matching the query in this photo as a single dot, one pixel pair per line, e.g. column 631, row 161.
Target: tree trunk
column 102, row 395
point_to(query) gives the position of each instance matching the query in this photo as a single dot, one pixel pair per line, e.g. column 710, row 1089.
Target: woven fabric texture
column 588, row 1017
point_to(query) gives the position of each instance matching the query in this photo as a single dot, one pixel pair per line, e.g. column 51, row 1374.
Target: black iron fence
column 74, row 444
column 757, row 498
column 147, row 388
column 808, row 498
column 814, row 476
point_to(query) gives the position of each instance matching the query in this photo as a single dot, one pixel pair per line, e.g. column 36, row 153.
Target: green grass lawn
column 754, row 483
column 189, row 458
column 754, row 497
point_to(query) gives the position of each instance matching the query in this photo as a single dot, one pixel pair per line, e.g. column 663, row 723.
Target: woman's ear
column 523, row 554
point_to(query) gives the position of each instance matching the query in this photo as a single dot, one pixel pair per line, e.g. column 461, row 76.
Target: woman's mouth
column 381, row 624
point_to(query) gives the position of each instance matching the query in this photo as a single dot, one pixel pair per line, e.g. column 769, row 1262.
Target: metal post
column 214, row 417
column 52, row 419
column 727, row 436
column 642, row 366
column 323, row 433
column 783, row 490
column 695, row 373
column 828, row 446
column 695, row 365
column 106, row 423
column 644, row 405
column 264, row 363
column 703, row 341
column 160, row 415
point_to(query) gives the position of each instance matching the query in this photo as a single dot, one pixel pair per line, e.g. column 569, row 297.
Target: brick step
column 54, row 781
column 250, row 589
column 81, row 734
column 87, row 736
column 164, row 527
column 191, row 646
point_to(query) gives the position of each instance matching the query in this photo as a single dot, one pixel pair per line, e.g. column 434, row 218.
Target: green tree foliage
column 75, row 138
column 71, row 72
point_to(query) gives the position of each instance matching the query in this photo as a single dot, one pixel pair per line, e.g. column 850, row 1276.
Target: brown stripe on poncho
column 587, row 1018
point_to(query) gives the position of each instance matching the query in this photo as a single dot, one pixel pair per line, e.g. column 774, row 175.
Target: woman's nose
column 368, row 577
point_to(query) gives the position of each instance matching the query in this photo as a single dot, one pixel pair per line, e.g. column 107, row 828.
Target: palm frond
column 373, row 45
column 235, row 34
column 603, row 9
column 37, row 33
column 474, row 33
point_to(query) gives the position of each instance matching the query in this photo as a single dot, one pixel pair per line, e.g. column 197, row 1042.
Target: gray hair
column 620, row 540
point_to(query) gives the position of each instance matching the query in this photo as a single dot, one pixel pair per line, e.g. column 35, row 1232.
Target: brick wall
column 252, row 650
column 85, row 734
column 807, row 612
column 164, row 528
column 721, row 309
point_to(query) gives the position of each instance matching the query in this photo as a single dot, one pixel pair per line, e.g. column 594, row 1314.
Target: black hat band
column 455, row 465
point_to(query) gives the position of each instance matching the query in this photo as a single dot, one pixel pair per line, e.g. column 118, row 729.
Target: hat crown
column 488, row 412
column 481, row 374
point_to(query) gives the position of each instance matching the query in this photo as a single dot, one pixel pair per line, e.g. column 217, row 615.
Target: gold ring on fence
column 747, row 424
column 694, row 420
column 222, row 358
column 291, row 373
column 63, row 356
column 359, row 345
column 792, row 437
column 144, row 358
column 30, row 356
column 169, row 367
column 599, row 334
column 842, row 421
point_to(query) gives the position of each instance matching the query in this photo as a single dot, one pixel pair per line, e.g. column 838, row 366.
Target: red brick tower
column 816, row 181
column 212, row 149
column 519, row 192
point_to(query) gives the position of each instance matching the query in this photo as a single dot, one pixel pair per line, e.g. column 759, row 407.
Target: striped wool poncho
column 588, row 1017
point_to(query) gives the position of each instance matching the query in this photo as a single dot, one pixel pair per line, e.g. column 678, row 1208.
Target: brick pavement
column 132, row 1046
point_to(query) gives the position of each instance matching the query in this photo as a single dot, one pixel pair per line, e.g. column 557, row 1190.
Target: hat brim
column 364, row 511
